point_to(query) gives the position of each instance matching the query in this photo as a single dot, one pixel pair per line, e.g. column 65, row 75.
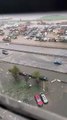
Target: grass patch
column 35, row 89
column 20, row 91
column 54, row 17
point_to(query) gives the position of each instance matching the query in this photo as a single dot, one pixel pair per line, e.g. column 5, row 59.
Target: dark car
column 43, row 78
column 4, row 52
column 29, row 75
column 58, row 62
column 12, row 36
column 7, row 39
column 22, row 73
column 1, row 33
column 38, row 100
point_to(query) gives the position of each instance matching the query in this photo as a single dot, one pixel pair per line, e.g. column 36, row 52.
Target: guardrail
column 26, row 110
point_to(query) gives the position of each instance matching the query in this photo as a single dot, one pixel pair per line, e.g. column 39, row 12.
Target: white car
column 43, row 97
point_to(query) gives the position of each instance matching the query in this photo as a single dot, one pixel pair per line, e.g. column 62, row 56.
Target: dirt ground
column 22, row 40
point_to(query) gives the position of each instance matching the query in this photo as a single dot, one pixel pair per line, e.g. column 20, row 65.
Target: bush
column 15, row 72
column 36, row 75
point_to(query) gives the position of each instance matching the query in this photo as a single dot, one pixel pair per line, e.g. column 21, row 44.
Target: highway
column 36, row 50
column 34, row 60
column 39, row 57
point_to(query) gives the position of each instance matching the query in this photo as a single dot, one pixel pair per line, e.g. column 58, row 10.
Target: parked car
column 29, row 75
column 38, row 100
column 13, row 37
column 43, row 78
column 4, row 52
column 1, row 33
column 22, row 73
column 58, row 62
column 43, row 98
column 7, row 39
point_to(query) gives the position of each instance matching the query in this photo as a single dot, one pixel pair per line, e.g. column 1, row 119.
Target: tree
column 36, row 75
column 15, row 72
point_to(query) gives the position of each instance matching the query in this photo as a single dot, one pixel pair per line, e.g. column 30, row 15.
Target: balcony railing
column 29, row 111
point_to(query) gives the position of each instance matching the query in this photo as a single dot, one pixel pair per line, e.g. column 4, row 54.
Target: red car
column 38, row 100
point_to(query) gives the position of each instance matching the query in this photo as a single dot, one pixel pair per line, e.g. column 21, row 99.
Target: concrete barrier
column 26, row 110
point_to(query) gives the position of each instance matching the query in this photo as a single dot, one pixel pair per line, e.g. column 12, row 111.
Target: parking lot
column 33, row 30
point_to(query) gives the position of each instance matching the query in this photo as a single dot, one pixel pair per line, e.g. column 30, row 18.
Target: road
column 33, row 49
column 23, row 55
column 39, row 61
column 61, row 106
